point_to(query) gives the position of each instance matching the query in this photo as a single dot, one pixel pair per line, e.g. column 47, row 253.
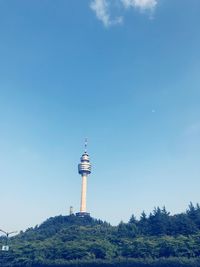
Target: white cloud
column 101, row 8
column 141, row 4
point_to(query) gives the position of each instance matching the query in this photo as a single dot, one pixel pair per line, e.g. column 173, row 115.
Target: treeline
column 152, row 240
column 160, row 222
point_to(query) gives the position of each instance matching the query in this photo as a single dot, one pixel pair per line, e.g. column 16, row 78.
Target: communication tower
column 84, row 169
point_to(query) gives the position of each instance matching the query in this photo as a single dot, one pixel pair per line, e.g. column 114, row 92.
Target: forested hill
column 69, row 240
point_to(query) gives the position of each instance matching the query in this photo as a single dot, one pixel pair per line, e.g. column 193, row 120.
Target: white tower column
column 83, row 193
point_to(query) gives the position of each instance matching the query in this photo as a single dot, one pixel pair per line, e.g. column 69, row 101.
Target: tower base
column 83, row 214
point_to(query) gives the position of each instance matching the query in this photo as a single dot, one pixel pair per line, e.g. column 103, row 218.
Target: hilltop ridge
column 75, row 240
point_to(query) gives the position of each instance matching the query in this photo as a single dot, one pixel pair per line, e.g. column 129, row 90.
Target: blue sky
column 123, row 73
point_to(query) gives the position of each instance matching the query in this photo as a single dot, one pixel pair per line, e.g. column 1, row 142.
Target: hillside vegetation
column 159, row 239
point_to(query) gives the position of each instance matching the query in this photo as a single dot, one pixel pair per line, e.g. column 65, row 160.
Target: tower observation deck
column 84, row 169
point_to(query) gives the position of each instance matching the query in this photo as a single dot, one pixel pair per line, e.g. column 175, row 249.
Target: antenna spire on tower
column 86, row 143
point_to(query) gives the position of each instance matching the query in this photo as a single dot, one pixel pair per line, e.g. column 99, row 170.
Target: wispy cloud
column 103, row 9
column 141, row 4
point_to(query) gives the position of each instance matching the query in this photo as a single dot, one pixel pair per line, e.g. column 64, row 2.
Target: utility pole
column 6, row 246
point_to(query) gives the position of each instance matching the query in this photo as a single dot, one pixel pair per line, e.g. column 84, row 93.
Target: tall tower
column 84, row 169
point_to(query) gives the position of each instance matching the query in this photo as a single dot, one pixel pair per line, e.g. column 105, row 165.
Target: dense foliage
column 159, row 239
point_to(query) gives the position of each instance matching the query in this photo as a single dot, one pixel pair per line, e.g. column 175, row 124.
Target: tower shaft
column 83, row 193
